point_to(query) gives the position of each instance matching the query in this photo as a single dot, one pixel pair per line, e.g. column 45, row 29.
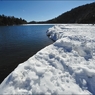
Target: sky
column 38, row 10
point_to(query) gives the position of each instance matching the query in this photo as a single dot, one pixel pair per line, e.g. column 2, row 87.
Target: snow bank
column 65, row 67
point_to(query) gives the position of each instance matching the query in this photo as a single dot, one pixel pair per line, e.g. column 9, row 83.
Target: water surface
column 18, row 43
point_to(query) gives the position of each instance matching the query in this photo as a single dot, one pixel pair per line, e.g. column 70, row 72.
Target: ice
column 65, row 67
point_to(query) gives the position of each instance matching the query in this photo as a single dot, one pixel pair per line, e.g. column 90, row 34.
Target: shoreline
column 59, row 68
column 19, row 46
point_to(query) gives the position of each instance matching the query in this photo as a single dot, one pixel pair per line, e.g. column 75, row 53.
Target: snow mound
column 65, row 67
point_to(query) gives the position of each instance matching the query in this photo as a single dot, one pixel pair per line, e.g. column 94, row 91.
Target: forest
column 84, row 14
column 81, row 14
column 11, row 20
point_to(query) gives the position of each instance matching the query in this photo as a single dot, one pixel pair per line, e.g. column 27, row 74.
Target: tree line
column 80, row 14
column 11, row 20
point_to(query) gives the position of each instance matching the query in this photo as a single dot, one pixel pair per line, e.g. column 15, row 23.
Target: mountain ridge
column 84, row 14
column 81, row 14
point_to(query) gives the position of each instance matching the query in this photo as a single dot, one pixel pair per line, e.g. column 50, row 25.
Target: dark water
column 18, row 43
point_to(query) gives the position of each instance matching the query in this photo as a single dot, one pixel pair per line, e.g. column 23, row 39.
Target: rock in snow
column 65, row 67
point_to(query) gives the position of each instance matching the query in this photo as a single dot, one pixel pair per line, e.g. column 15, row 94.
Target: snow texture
column 65, row 67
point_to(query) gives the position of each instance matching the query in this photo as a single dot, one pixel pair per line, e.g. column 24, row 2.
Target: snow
column 65, row 67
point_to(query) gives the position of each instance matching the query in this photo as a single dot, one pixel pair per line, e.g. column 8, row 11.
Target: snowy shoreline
column 65, row 67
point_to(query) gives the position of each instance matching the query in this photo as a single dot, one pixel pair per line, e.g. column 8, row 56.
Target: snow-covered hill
column 65, row 67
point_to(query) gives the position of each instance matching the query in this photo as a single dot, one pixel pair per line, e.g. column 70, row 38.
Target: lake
column 19, row 43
